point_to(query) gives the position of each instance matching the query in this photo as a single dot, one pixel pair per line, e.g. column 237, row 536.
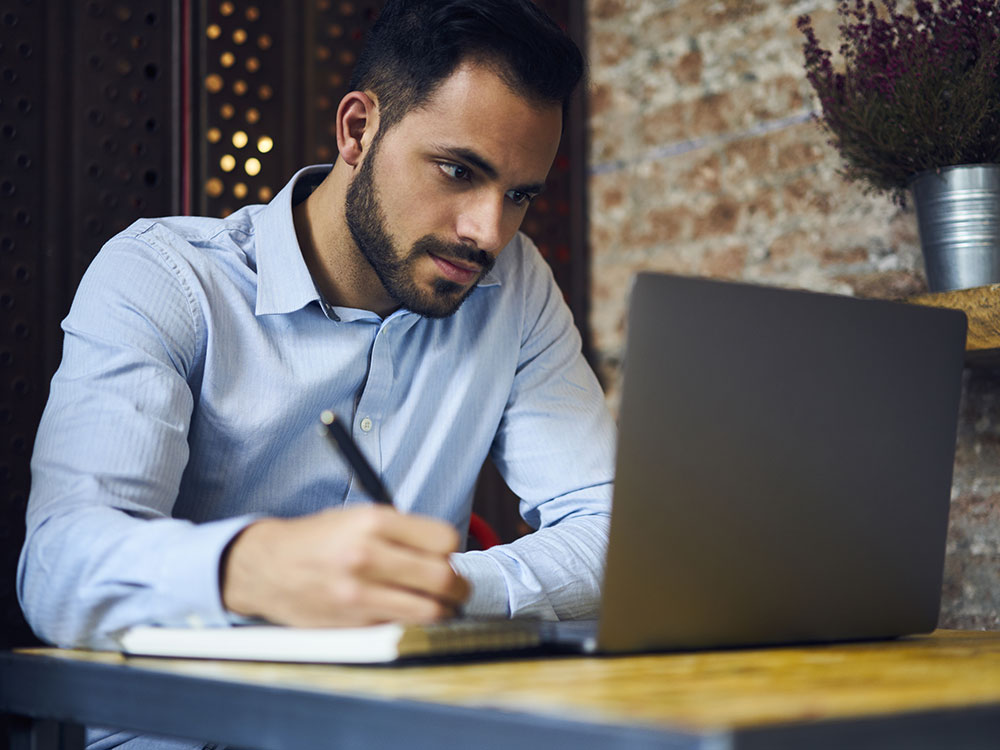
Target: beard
column 396, row 268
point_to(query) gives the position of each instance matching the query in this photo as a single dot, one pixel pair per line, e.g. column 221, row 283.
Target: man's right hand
column 358, row 566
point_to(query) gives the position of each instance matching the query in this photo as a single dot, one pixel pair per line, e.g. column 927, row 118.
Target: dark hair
column 416, row 44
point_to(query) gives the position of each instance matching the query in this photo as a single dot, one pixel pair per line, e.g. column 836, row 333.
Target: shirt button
column 366, row 424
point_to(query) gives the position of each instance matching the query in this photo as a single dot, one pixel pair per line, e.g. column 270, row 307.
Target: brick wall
column 704, row 160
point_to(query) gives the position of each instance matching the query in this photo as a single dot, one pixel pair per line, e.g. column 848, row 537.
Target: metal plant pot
column 958, row 212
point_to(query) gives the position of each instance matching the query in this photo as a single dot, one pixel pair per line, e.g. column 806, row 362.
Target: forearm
column 554, row 573
column 88, row 572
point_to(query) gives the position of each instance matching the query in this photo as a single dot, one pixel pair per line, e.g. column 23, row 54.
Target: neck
column 341, row 274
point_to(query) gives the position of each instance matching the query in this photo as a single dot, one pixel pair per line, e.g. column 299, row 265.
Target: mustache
column 454, row 251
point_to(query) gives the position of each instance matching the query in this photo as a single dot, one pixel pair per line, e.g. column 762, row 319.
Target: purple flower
column 910, row 91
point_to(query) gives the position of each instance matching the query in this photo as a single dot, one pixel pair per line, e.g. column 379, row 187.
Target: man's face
column 444, row 190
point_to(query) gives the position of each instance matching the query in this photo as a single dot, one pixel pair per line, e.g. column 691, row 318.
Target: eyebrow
column 471, row 157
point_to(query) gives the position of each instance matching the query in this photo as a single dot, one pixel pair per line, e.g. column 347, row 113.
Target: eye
column 519, row 197
column 455, row 171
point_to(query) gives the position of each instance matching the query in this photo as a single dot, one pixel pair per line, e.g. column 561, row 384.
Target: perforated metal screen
column 22, row 150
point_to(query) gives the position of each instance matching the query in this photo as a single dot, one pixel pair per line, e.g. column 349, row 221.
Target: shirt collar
column 284, row 283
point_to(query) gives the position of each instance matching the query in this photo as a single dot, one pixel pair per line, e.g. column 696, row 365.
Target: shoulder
column 190, row 240
column 187, row 253
column 161, row 273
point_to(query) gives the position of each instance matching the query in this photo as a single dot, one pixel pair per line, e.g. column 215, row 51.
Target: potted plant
column 913, row 106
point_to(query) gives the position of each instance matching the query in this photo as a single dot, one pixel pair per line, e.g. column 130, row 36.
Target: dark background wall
column 111, row 110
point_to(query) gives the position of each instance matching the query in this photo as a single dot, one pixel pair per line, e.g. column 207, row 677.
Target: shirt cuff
column 489, row 589
column 196, row 572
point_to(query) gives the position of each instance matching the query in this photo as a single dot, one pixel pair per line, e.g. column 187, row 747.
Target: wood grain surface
column 981, row 306
column 695, row 691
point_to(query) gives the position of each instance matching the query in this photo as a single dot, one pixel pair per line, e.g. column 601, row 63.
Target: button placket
column 373, row 403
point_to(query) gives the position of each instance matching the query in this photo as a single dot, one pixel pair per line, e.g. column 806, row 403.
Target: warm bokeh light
column 214, row 31
column 240, row 139
column 239, row 36
column 240, row 87
column 253, row 115
column 226, row 111
column 227, row 163
column 264, row 41
column 240, row 190
column 226, row 9
column 253, row 13
column 265, row 92
column 226, row 59
column 214, row 187
column 265, row 144
column 214, row 83
column 252, row 167
column 253, row 64
column 265, row 194
column 213, row 135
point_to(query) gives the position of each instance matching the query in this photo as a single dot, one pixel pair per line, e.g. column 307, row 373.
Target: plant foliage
column 917, row 91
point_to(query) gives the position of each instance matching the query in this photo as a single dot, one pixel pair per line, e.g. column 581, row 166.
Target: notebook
column 783, row 476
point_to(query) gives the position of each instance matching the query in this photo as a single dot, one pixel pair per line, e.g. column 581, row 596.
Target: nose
column 480, row 222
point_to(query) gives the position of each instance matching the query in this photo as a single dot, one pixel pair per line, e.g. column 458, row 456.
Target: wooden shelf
column 981, row 306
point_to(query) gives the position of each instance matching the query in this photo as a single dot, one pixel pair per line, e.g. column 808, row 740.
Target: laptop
column 783, row 476
column 784, row 467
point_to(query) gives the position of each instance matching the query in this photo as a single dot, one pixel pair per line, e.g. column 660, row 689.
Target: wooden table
column 937, row 691
column 981, row 306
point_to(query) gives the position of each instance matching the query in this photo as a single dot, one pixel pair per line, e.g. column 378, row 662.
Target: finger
column 411, row 530
column 391, row 564
column 350, row 600
column 393, row 604
column 366, row 603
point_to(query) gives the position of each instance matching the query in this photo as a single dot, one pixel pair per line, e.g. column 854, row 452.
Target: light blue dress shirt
column 198, row 356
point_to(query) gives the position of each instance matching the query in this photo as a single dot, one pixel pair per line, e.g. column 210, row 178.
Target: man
column 178, row 476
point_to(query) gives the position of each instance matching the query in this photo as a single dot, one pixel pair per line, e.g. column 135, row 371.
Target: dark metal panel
column 337, row 33
column 577, row 146
column 245, row 150
column 125, row 112
column 87, row 145
column 557, row 220
column 22, row 279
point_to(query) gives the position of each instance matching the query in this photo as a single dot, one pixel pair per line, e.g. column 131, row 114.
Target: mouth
column 460, row 273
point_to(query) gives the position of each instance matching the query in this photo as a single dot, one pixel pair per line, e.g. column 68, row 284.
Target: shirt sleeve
column 555, row 449
column 101, row 551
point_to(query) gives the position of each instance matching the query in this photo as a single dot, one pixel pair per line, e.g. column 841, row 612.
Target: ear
column 357, row 123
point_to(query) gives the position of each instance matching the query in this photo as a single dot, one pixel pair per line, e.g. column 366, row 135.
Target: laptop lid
column 784, row 467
